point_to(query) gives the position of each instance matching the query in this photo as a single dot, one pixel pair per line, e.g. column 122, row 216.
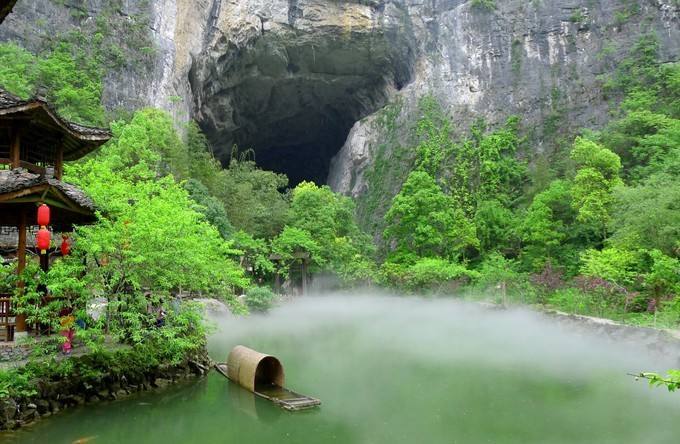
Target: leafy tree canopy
column 424, row 220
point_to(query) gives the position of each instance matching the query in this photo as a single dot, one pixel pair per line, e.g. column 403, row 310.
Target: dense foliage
column 72, row 81
column 600, row 236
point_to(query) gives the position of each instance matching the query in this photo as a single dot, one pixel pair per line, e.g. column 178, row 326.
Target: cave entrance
column 296, row 124
column 306, row 125
column 292, row 96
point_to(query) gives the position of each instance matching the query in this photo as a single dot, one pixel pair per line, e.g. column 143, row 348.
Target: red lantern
column 65, row 246
column 43, row 240
column 43, row 215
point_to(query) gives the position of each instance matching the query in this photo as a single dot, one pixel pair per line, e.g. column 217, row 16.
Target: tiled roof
column 19, row 179
column 10, row 102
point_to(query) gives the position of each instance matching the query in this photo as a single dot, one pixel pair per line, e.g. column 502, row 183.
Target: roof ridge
column 9, row 100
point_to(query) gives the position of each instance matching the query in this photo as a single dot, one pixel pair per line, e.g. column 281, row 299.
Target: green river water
column 392, row 370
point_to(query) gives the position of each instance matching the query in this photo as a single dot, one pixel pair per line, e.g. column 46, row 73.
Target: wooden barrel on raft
column 263, row 375
column 254, row 370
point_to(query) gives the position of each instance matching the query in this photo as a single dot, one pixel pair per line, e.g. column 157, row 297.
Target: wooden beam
column 40, row 199
column 21, row 265
column 33, row 168
column 20, row 193
column 76, row 208
column 59, row 162
column 15, row 148
column 40, row 193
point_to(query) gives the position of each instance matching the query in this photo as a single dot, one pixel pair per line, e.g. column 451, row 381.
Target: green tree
column 210, row 206
column 663, row 279
column 423, row 220
column 596, row 177
column 434, row 130
column 496, row 227
column 149, row 140
column 72, row 79
column 618, row 266
column 485, row 166
column 252, row 198
column 499, row 275
column 427, row 274
column 151, row 238
column 648, row 215
column 18, row 72
column 290, row 243
column 547, row 225
column 645, row 139
column 203, row 166
column 329, row 218
column 254, row 254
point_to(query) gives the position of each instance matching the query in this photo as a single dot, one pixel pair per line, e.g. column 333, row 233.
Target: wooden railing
column 23, row 164
column 7, row 318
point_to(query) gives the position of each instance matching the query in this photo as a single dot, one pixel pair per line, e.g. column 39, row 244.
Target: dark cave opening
column 296, row 125
column 300, row 163
column 293, row 97
column 302, row 147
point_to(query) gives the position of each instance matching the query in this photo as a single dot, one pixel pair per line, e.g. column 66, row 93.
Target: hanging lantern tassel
column 65, row 246
column 43, row 215
column 43, row 240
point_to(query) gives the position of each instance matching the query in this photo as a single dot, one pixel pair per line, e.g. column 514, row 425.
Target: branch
column 671, row 381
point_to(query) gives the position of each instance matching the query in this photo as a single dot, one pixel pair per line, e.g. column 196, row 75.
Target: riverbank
column 103, row 366
column 658, row 341
column 117, row 372
column 43, row 388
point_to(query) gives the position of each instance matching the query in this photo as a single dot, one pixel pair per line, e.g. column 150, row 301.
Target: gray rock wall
column 292, row 77
column 536, row 59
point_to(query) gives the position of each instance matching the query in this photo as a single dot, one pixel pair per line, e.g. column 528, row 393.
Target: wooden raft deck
column 281, row 396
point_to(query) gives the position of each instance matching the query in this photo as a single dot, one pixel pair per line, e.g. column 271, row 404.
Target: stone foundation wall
column 13, row 353
column 664, row 343
column 56, row 395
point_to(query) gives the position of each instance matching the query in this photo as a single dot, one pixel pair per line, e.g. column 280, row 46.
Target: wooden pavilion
column 34, row 144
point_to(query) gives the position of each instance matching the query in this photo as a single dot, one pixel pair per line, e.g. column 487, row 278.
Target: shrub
column 488, row 5
column 571, row 300
column 7, row 277
column 260, row 299
column 432, row 274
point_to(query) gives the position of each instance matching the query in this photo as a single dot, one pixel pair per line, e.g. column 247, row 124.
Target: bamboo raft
column 263, row 375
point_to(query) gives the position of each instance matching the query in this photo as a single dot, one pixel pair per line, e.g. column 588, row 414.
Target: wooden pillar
column 303, row 269
column 277, row 281
column 15, row 148
column 21, row 265
column 59, row 162
column 45, row 262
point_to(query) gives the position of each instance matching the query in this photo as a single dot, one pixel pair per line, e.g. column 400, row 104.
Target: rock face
column 290, row 78
column 539, row 60
column 298, row 75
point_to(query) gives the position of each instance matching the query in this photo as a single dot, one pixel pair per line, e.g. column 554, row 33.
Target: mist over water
column 437, row 330
column 439, row 370
column 403, row 370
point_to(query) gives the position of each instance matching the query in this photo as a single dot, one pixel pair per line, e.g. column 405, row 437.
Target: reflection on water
column 392, row 370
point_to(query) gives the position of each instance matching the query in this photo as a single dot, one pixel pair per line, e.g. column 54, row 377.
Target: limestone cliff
column 536, row 59
column 292, row 78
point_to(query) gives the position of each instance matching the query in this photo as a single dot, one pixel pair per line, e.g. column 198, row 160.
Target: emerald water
column 393, row 370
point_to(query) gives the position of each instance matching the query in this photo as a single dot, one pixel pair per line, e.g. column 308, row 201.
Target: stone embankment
column 55, row 395
column 660, row 342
